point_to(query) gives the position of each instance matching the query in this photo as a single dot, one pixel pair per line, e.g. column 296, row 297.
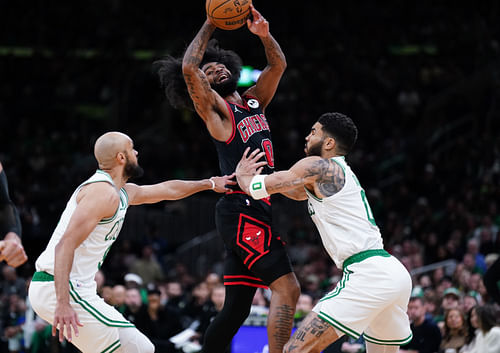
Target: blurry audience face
column 154, row 302
column 469, row 303
column 454, row 319
column 133, row 298
column 218, row 296
column 107, row 294
column 473, row 318
column 201, row 292
column 450, row 301
column 425, row 281
column 212, row 280
column 173, row 289
column 305, row 303
column 119, row 295
column 416, row 311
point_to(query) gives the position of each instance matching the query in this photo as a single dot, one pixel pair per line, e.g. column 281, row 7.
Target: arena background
column 421, row 80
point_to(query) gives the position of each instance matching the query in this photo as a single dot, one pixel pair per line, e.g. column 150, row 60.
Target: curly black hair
column 169, row 70
column 341, row 128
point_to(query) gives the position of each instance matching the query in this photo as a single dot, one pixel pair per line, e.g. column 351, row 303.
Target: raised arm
column 11, row 248
column 322, row 177
column 175, row 189
column 267, row 83
column 208, row 103
column 95, row 202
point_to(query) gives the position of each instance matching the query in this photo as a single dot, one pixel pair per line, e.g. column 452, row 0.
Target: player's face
column 220, row 78
column 314, row 141
column 132, row 168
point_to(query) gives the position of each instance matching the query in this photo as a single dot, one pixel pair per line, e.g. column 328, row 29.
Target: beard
column 132, row 170
column 314, row 150
column 227, row 87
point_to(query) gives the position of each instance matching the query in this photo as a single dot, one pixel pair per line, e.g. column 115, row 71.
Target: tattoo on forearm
column 284, row 323
column 330, row 176
column 196, row 50
column 274, row 54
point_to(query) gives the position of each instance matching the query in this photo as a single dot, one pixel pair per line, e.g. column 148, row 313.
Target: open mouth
column 222, row 78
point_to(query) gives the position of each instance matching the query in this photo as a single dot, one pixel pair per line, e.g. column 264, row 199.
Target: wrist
column 212, row 182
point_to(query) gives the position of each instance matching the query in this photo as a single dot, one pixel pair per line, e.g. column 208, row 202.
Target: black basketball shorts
column 254, row 255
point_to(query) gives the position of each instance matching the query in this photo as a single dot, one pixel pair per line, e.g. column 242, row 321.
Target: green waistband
column 360, row 256
column 42, row 277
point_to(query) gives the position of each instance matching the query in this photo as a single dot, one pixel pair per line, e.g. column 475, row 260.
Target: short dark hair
column 487, row 317
column 169, row 70
column 341, row 128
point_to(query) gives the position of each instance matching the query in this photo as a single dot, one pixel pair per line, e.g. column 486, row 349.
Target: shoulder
column 99, row 191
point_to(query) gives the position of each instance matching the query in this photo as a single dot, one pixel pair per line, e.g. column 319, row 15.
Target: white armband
column 257, row 187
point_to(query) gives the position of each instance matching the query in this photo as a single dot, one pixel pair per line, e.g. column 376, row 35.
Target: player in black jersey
column 205, row 80
column 11, row 248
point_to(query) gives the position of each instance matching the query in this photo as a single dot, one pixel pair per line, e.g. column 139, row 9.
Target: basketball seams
column 224, row 13
column 228, row 18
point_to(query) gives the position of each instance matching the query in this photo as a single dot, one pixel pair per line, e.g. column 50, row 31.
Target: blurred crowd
column 421, row 82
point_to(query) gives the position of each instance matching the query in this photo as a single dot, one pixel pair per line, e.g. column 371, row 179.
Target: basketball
column 228, row 14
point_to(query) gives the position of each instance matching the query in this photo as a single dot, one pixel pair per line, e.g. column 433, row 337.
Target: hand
column 65, row 318
column 221, row 182
column 12, row 251
column 258, row 25
column 249, row 165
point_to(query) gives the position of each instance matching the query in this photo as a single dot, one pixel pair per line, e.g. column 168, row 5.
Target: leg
column 375, row 348
column 285, row 293
column 134, row 341
column 312, row 336
column 227, row 322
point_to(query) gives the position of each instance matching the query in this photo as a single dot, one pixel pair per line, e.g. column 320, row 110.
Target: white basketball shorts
column 100, row 320
column 370, row 299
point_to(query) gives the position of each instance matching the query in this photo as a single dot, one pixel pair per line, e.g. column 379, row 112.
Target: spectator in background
column 11, row 284
column 199, row 297
column 426, row 334
column 119, row 295
column 455, row 330
column 472, row 327
column 133, row 303
column 473, row 249
column 176, row 300
column 148, row 267
column 471, row 299
column 158, row 323
column 304, row 307
column 488, row 332
column 450, row 300
column 212, row 308
column 13, row 317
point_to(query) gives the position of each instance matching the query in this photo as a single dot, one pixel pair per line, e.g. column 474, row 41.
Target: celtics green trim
column 113, row 347
column 388, row 342
column 340, row 165
column 339, row 287
column 363, row 255
column 40, row 276
column 94, row 312
column 312, row 195
column 338, row 325
column 126, row 195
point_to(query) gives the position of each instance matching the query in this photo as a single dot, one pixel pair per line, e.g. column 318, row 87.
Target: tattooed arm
column 268, row 81
column 208, row 104
column 322, row 177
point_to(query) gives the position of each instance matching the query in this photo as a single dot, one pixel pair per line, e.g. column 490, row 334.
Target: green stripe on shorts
column 388, row 342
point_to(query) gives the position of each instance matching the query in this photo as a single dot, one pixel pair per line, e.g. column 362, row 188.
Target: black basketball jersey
column 250, row 129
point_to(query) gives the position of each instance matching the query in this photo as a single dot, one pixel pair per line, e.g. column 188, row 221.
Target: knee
column 287, row 286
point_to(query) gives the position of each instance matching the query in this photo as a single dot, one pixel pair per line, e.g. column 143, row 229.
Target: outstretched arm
column 11, row 248
column 208, row 103
column 268, row 81
column 321, row 176
column 175, row 189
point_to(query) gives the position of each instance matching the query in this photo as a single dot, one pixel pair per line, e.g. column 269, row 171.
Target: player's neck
column 117, row 176
column 234, row 98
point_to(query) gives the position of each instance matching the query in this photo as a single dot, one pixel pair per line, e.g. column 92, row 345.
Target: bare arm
column 208, row 103
column 321, row 176
column 11, row 248
column 175, row 189
column 95, row 202
column 267, row 83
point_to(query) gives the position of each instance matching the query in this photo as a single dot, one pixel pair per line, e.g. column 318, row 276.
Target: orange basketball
column 228, row 14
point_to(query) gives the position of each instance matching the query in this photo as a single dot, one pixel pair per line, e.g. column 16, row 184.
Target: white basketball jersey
column 344, row 220
column 90, row 254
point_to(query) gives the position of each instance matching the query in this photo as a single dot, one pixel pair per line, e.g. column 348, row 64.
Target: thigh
column 312, row 335
column 100, row 320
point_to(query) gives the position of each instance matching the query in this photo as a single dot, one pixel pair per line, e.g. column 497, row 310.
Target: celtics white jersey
column 344, row 220
column 92, row 251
